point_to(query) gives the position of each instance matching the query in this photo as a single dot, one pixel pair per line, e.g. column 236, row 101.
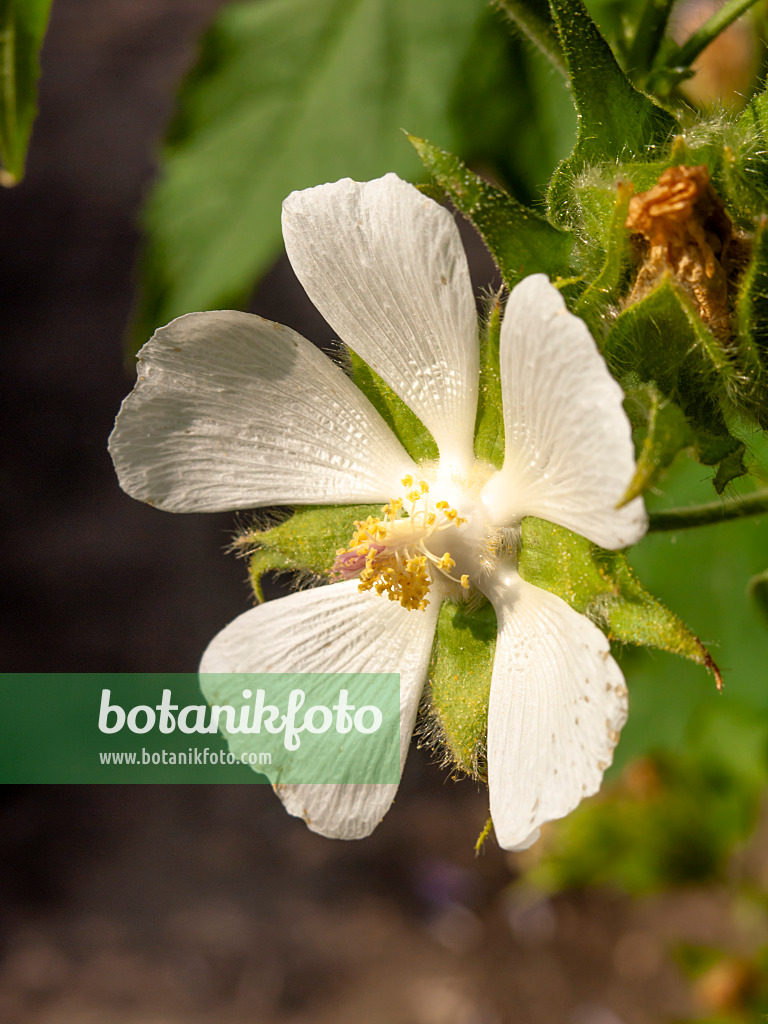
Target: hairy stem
column 712, row 512
column 649, row 34
column 534, row 19
column 685, row 54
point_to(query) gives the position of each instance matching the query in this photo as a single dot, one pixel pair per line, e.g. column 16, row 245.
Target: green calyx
column 460, row 685
column 307, row 541
column 489, row 422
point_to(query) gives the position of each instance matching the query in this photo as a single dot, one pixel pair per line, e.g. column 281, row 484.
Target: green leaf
column 521, row 241
column 665, row 432
column 22, row 28
column 616, row 121
column 660, row 340
column 404, row 423
column 602, row 585
column 460, row 685
column 289, row 94
column 752, row 302
column 747, row 169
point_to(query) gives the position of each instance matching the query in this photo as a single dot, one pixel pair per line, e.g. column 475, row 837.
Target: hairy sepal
column 306, row 541
column 456, row 716
column 660, row 341
column 489, row 424
column 602, row 585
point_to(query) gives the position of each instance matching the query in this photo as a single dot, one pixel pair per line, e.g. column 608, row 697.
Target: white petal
column 232, row 411
column 386, row 268
column 569, row 455
column 334, row 629
column 558, row 702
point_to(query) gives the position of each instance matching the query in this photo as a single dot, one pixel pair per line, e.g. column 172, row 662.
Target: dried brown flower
column 681, row 228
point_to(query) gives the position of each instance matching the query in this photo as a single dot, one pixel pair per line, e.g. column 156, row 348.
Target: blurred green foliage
column 289, row 93
column 22, row 28
column 704, row 575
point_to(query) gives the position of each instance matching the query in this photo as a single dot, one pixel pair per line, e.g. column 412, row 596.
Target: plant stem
column 534, row 19
column 650, row 31
column 684, row 55
column 713, row 512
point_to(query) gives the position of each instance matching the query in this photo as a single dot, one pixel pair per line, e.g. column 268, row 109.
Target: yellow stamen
column 388, row 553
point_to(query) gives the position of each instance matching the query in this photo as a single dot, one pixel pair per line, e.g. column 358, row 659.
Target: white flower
column 231, row 411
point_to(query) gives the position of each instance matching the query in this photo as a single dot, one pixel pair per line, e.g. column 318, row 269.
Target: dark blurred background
column 163, row 905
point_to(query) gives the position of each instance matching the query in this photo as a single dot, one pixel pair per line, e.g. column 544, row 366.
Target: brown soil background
column 208, row 905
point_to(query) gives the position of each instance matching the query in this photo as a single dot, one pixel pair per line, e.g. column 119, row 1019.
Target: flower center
column 415, row 540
